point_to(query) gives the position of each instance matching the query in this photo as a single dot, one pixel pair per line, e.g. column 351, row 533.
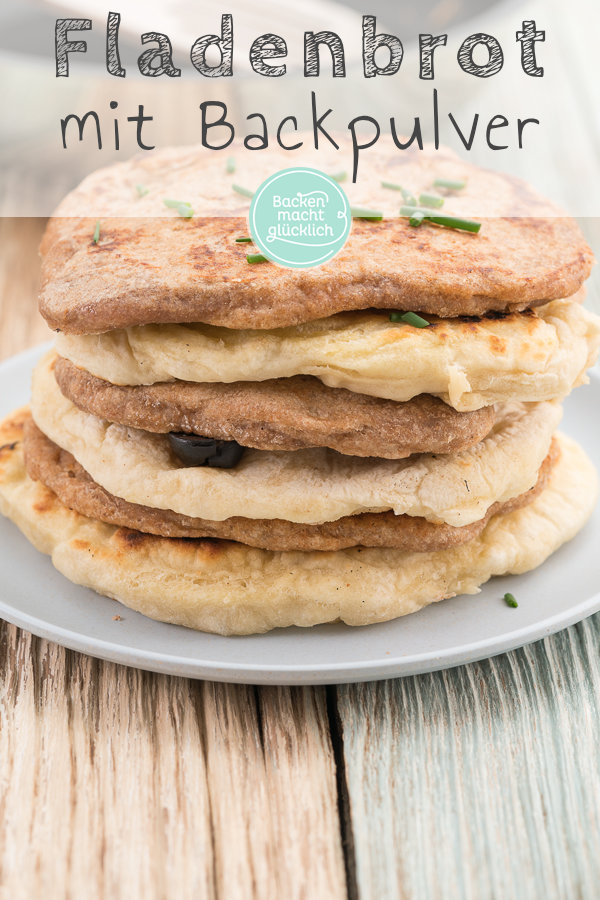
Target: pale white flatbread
column 232, row 589
column 309, row 486
column 539, row 355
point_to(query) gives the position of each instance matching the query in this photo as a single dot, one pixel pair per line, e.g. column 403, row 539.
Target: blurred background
column 560, row 156
column 562, row 159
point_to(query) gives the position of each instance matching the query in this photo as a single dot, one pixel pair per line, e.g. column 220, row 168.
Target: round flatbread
column 227, row 588
column 306, row 486
column 532, row 356
column 281, row 414
column 60, row 472
column 146, row 268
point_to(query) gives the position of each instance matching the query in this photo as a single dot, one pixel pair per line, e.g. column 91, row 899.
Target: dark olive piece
column 194, row 450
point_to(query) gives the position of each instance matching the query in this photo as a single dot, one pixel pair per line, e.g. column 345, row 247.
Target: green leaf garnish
column 243, row 240
column 242, row 190
column 409, row 318
column 449, row 184
column 141, row 190
column 416, row 219
column 253, row 258
column 407, row 196
column 371, row 215
column 445, row 221
column 182, row 206
column 510, row 601
column 96, row 235
column 230, row 165
column 431, row 200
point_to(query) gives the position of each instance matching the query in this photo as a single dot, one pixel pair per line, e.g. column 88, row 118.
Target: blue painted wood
column 482, row 781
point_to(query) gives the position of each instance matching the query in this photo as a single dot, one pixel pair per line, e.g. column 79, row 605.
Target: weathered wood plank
column 300, row 765
column 273, row 793
column 21, row 326
column 116, row 783
column 482, row 781
column 104, row 783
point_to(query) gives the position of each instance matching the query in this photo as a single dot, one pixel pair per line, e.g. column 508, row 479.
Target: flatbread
column 530, row 356
column 281, row 414
column 227, row 588
column 60, row 472
column 306, row 486
column 145, row 269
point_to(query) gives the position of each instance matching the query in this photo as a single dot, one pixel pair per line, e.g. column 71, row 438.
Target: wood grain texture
column 273, row 793
column 116, row 783
column 21, row 326
column 480, row 782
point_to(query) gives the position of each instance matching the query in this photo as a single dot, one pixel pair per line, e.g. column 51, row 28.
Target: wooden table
column 479, row 782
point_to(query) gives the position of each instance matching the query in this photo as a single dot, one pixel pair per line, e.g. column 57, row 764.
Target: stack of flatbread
column 236, row 447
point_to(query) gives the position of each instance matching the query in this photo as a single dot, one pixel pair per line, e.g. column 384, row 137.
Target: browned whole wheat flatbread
column 147, row 268
column 281, row 414
column 59, row 471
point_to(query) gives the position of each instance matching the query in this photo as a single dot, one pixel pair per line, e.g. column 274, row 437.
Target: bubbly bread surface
column 74, row 487
column 532, row 356
column 305, row 486
column 146, row 268
column 228, row 588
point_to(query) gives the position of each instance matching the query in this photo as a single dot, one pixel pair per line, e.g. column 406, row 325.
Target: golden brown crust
column 13, row 431
column 227, row 588
column 146, row 269
column 60, row 472
column 281, row 414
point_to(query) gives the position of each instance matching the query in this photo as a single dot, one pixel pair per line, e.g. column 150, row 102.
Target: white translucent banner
column 508, row 86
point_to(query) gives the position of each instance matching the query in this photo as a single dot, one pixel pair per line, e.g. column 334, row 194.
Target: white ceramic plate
column 564, row 590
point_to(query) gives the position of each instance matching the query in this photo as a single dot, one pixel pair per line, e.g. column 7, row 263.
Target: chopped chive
column 339, row 176
column 446, row 221
column 182, row 206
column 416, row 219
column 407, row 196
column 371, row 215
column 96, row 235
column 244, row 240
column 510, row 601
column 410, row 318
column 230, row 166
column 141, row 190
column 242, row 190
column 253, row 258
column 431, row 200
column 455, row 222
column 449, row 184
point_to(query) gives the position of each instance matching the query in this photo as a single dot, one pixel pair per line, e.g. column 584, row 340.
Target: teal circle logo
column 299, row 218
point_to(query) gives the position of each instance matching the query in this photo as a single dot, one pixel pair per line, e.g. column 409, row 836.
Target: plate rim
column 295, row 673
column 279, row 674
